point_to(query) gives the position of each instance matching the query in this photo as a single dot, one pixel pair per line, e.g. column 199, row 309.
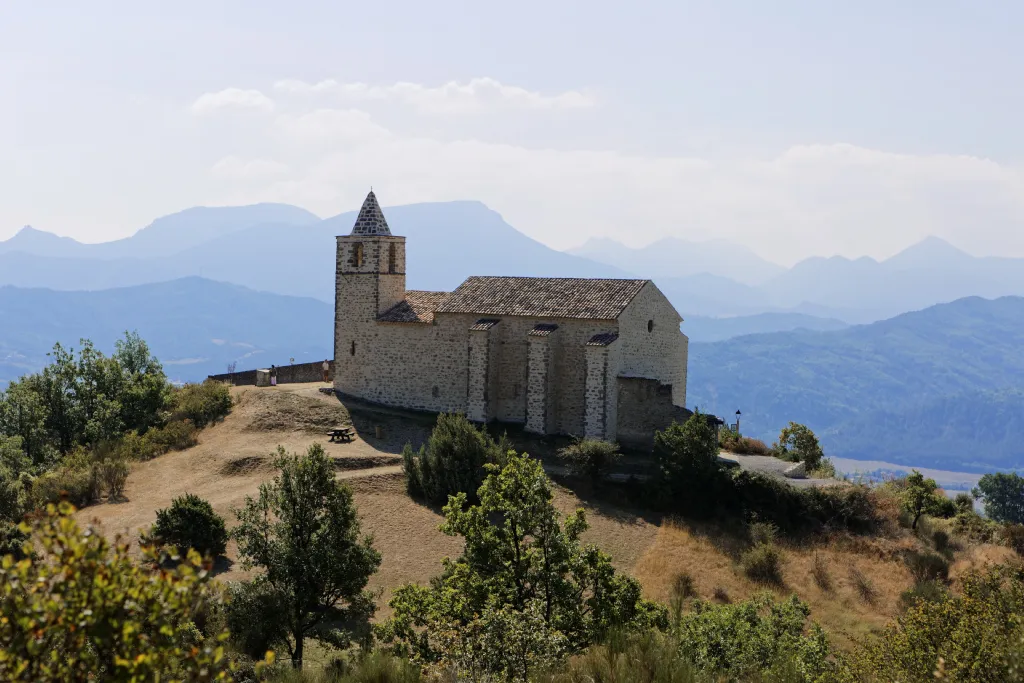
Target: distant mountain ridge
column 194, row 326
column 893, row 390
column 287, row 250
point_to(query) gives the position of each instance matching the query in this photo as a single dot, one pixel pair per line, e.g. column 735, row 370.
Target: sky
column 796, row 128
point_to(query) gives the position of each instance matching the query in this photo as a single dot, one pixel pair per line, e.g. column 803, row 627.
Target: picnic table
column 341, row 434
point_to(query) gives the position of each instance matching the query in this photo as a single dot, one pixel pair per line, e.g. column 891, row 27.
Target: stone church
column 593, row 357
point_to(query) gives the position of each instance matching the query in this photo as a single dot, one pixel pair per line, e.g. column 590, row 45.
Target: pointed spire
column 371, row 219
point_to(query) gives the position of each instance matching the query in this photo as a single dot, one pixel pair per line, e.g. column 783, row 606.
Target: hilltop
column 234, row 457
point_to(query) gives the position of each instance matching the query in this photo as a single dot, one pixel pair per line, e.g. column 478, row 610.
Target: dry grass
column 709, row 555
column 234, row 456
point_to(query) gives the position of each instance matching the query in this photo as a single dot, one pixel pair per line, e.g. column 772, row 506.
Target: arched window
column 392, row 258
column 650, row 325
column 353, row 351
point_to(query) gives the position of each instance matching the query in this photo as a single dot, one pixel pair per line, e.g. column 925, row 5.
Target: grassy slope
column 232, row 459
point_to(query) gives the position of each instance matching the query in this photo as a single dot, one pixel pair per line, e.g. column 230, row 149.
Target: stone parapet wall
column 644, row 407
column 286, row 374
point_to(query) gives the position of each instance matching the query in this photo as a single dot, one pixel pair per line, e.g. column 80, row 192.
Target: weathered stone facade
column 547, row 353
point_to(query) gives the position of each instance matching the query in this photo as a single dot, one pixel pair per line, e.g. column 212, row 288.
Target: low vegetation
column 591, row 459
column 71, row 431
column 732, row 441
column 191, row 524
column 452, row 461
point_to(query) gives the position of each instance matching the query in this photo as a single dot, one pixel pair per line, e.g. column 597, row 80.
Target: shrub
column 176, row 435
column 79, row 486
column 683, row 586
column 930, row 591
column 762, row 564
column 762, row 533
column 451, row 462
column 201, row 403
column 826, row 469
column 113, row 473
column 590, row 458
column 190, row 522
column 926, row 566
column 974, row 527
column 964, row 502
column 730, row 440
column 127, row 616
column 865, row 589
column 253, row 617
column 799, row 444
column 976, row 634
column 753, row 638
column 721, row 595
column 941, row 540
column 689, row 474
column 1012, row 535
column 820, row 573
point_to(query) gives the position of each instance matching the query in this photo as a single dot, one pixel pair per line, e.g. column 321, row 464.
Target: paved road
column 765, row 464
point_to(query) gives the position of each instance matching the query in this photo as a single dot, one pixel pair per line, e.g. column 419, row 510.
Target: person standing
column 327, row 369
column 273, row 376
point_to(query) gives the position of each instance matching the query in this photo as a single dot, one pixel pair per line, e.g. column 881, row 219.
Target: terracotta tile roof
column 603, row 339
column 418, row 307
column 543, row 297
column 542, row 330
column 484, row 324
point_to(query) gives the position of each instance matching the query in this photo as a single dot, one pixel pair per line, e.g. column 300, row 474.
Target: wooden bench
column 343, row 434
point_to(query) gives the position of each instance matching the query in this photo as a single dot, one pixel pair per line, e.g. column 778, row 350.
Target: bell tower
column 369, row 280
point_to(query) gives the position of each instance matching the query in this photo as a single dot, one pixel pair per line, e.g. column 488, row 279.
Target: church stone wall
column 644, row 407
column 660, row 353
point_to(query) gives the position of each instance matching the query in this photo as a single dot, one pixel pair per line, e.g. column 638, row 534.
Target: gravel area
column 766, row 464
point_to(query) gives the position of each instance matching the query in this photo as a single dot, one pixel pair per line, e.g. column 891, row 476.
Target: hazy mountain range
column 287, row 250
column 940, row 387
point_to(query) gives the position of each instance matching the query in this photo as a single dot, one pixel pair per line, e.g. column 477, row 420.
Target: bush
column 975, row 528
column 190, row 522
column 253, row 617
column 964, row 503
column 176, row 435
column 926, row 566
column 762, row 564
column 79, row 486
column 941, row 540
column 451, row 462
column 799, row 444
column 113, row 473
column 930, row 591
column 820, row 573
column 590, row 458
column 826, row 469
column 690, row 476
column 201, row 403
column 1012, row 536
column 762, row 533
column 865, row 589
column 127, row 617
column 730, row 440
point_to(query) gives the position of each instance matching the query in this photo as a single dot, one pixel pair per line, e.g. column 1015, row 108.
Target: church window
column 650, row 325
column 357, row 255
column 392, row 258
column 353, row 350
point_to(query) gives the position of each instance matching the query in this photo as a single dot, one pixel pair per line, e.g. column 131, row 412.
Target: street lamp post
column 737, row 422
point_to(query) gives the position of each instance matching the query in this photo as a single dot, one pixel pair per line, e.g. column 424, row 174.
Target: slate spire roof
column 371, row 219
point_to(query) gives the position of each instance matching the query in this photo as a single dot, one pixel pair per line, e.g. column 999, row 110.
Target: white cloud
column 232, row 98
column 476, row 96
column 233, row 167
column 814, row 199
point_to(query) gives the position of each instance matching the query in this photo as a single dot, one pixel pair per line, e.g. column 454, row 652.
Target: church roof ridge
column 544, row 297
column 370, row 220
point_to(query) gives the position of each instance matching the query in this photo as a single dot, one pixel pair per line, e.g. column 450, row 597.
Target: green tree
column 919, row 497
column 303, row 532
column 689, row 472
column 78, row 609
column 1003, row 496
column 525, row 589
column 144, row 392
column 24, row 414
column 973, row 637
column 452, row 461
column 799, row 444
column 190, row 522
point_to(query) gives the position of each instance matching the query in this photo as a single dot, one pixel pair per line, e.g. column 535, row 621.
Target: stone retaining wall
column 286, row 374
